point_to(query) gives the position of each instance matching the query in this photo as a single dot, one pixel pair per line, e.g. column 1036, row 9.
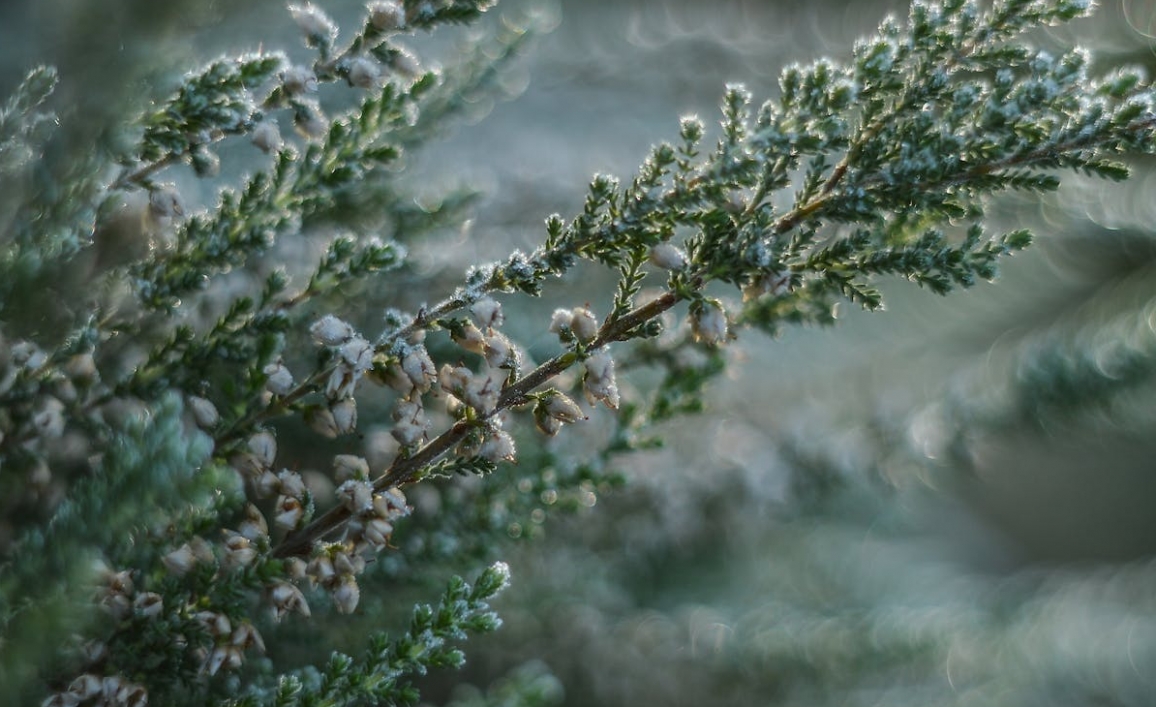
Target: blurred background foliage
column 948, row 503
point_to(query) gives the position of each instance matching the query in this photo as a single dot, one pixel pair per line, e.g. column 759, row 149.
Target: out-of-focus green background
column 952, row 502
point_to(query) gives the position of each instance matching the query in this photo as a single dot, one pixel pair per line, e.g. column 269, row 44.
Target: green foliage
column 214, row 526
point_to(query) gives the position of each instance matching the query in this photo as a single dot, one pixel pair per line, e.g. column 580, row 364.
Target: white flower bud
column 357, row 353
column 454, row 379
column 709, row 323
column 487, row 312
column 387, row 16
column 204, row 412
column 600, row 384
column 667, row 256
column 290, row 483
column 314, row 23
column 180, row 561
column 265, row 484
column 356, row 496
column 420, row 368
column 405, row 63
column 238, row 551
column 287, row 597
column 295, row 568
column 364, row 73
column 321, row 421
column 346, row 595
column 560, row 321
column 263, row 446
column 562, row 408
column 344, row 415
column 148, row 604
column 499, row 351
column 390, row 503
column 247, row 636
column 470, row 338
column 331, row 331
column 288, row 513
column 216, row 623
column 320, row 570
column 86, row 686
column 396, row 378
column 254, row 527
column 227, row 657
column 266, row 136
column 498, row 446
column 584, row 324
column 377, row 531
column 483, row 392
column 279, row 380
column 349, row 466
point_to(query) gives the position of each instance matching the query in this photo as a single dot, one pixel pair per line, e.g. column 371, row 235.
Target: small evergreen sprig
column 880, row 167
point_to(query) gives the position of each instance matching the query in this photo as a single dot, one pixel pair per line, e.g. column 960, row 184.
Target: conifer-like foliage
column 169, row 371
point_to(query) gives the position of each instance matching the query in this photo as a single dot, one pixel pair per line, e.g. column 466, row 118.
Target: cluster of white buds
column 387, row 16
column 289, row 510
column 354, row 358
column 237, row 550
column 410, row 422
column 370, row 527
column 667, row 256
column 116, row 599
column 555, row 409
column 599, row 383
column 108, row 691
column 578, row 323
column 229, row 642
column 317, row 27
column 255, row 461
column 481, row 391
column 708, row 321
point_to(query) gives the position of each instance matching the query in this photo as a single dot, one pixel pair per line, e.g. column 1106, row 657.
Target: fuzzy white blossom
column 364, row 73
column 285, row 598
column 331, row 331
column 299, row 79
column 313, row 22
column 600, row 384
column 499, row 351
column 349, row 466
column 279, row 380
column 387, row 15
column 346, row 594
column 419, row 367
column 560, row 321
column 470, row 338
column 263, row 446
column 356, row 496
column 344, row 413
column 497, row 446
column 288, row 512
column 583, row 323
column 487, row 313
column 667, row 256
column 266, row 136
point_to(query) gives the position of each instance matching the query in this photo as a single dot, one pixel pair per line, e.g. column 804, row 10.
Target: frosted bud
column 562, row 408
column 278, row 381
column 498, row 446
column 487, row 313
column 547, row 425
column 86, row 686
column 709, row 323
column 483, row 392
column 356, row 496
column 226, row 656
column 253, row 526
column 48, row 418
column 238, row 551
column 290, row 483
column 286, row 598
column 314, row 23
column 331, row 331
column 499, row 351
column 165, row 203
column 386, row 16
column 600, row 384
column 470, row 338
column 560, row 321
column 390, row 503
column 266, row 136
column 584, row 324
column 419, row 367
column 266, row 484
column 321, row 421
column 320, row 570
column 363, row 73
column 349, row 466
column 377, row 531
column 345, row 563
column 288, row 512
column 411, row 422
column 397, row 379
column 346, row 595
column 454, row 379
column 667, row 256
column 357, row 353
column 344, row 415
column 204, row 412
column 180, row 561
column 342, row 383
column 263, row 446
column 148, row 604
